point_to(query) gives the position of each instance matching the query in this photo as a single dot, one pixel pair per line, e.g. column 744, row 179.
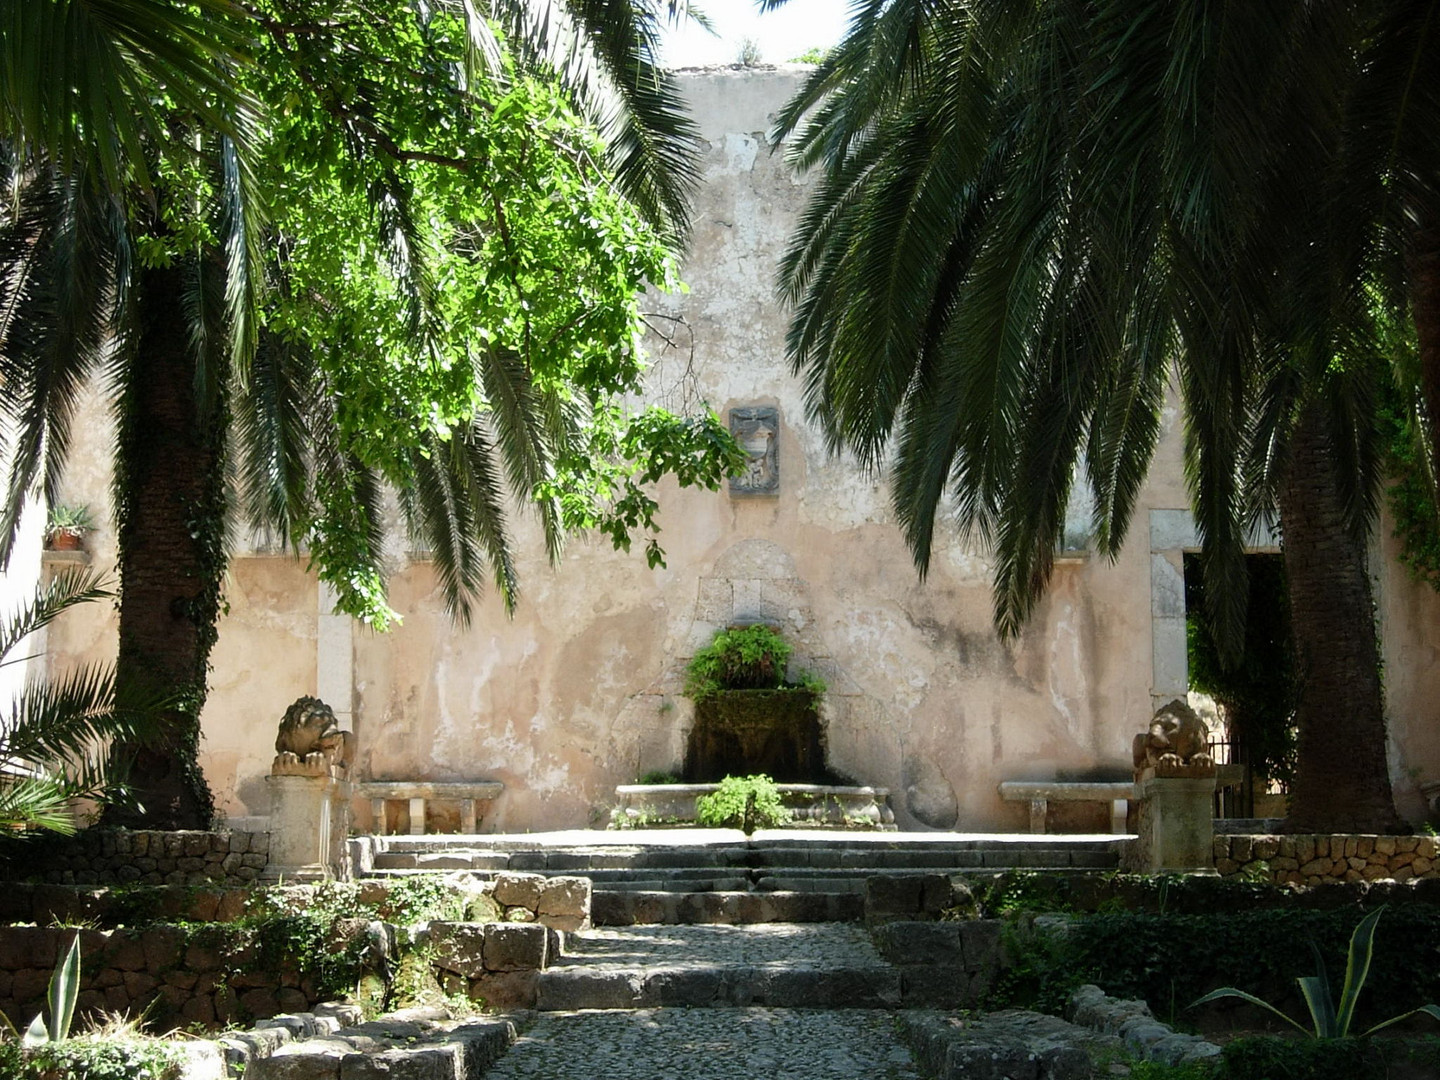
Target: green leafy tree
column 368, row 245
column 1030, row 218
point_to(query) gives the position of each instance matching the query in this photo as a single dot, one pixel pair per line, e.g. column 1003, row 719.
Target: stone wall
column 164, row 969
column 1323, row 860
column 122, row 857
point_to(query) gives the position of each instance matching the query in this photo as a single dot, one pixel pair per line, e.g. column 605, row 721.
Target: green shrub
column 741, row 658
column 102, row 1059
column 658, row 776
column 1266, row 1057
column 743, row 802
column 1170, row 960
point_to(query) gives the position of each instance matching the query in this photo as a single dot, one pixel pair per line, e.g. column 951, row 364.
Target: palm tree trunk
column 1342, row 783
column 1424, row 274
column 170, row 484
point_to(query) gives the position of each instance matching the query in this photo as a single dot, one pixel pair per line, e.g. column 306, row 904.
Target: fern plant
column 1329, row 1019
column 740, row 658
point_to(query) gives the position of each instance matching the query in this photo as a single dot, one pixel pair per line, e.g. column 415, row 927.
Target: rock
column 565, row 896
column 519, row 890
column 516, row 947
column 1008, row 1045
column 506, row 989
column 928, row 795
column 459, row 947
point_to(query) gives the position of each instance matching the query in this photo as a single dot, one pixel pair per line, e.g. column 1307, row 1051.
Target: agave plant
column 1329, row 1019
column 64, row 990
column 54, row 734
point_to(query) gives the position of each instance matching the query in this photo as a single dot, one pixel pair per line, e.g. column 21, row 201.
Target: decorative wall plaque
column 757, row 430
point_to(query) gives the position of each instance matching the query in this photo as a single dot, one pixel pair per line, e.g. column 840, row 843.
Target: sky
column 782, row 35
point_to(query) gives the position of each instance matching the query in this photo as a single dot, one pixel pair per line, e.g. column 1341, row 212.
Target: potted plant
column 66, row 527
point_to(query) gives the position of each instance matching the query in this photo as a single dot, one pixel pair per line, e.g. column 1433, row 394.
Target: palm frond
column 78, row 81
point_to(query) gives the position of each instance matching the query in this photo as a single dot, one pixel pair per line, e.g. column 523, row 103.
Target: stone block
column 312, row 1060
column 260, row 1002
column 889, row 895
column 199, row 1010
column 920, row 942
column 936, row 986
column 567, row 989
column 688, row 988
column 185, row 980
column 138, row 983
column 433, row 1062
column 516, row 947
column 459, row 947
column 981, row 941
column 565, row 896
column 519, row 890
column 506, row 989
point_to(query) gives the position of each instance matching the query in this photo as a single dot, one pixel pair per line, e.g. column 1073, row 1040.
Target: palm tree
column 1030, row 217
column 147, row 241
column 53, row 739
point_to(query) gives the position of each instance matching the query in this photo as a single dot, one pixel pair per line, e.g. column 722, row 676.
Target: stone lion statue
column 309, row 731
column 1177, row 736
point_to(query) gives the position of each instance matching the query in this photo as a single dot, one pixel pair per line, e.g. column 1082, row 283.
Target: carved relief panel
column 757, row 430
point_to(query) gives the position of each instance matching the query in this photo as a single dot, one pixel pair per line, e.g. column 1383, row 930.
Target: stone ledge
column 1002, row 1045
column 1132, row 1021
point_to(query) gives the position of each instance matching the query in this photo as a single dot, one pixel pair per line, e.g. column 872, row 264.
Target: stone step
column 775, row 965
column 717, row 1044
column 409, row 1045
column 680, row 882
column 629, row 908
column 601, row 861
column 810, row 986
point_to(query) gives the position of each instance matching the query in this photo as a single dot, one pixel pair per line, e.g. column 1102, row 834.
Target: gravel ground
column 709, row 1044
column 828, row 945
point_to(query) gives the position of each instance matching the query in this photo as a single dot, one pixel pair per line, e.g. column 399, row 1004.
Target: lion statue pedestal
column 1175, row 787
column 309, row 795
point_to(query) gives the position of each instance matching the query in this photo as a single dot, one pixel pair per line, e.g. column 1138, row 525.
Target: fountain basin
column 814, row 805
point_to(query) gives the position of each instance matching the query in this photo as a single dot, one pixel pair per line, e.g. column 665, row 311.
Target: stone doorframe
column 1172, row 534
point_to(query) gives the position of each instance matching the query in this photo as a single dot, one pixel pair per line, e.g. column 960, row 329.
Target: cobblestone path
column 709, row 1044
column 754, row 1043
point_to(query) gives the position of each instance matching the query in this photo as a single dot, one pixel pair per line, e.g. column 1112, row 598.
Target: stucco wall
column 579, row 692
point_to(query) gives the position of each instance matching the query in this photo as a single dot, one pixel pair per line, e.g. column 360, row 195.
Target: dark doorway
column 1256, row 697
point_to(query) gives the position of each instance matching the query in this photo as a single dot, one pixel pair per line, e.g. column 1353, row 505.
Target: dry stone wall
column 1324, row 860
column 164, row 969
column 123, row 857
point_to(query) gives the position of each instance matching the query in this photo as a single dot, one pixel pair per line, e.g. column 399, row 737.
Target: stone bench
column 418, row 792
column 1040, row 793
